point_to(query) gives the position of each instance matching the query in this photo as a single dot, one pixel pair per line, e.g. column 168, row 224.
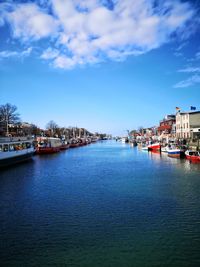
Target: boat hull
column 64, row 147
column 154, row 147
column 176, row 154
column 193, row 156
column 16, row 159
column 47, row 150
column 74, row 145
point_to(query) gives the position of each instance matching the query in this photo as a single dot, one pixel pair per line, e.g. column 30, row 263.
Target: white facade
column 186, row 122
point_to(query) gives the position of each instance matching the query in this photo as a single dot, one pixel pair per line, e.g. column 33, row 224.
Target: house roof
column 189, row 112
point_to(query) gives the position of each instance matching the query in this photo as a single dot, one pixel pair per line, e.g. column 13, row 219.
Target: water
column 103, row 205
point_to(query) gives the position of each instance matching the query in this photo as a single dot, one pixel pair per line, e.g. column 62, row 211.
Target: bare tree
column 52, row 126
column 140, row 129
column 8, row 115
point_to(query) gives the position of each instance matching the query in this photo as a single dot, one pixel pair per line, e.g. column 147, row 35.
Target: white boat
column 124, row 139
column 145, row 148
column 165, row 149
column 176, row 153
column 15, row 150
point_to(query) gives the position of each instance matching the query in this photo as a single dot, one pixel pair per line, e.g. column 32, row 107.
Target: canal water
column 102, row 205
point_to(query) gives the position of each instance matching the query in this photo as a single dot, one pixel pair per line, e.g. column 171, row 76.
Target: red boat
column 47, row 150
column 74, row 144
column 48, row 145
column 154, row 147
column 193, row 155
column 64, row 146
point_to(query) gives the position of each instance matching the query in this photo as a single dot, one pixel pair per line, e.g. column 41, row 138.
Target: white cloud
column 193, row 79
column 28, row 21
column 190, row 69
column 181, row 46
column 19, row 54
column 90, row 31
column 197, row 56
column 50, row 53
column 188, row 82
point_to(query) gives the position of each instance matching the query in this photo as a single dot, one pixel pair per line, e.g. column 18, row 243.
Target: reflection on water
column 178, row 163
column 107, row 204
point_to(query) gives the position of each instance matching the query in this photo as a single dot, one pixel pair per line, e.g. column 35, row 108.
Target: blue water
column 102, row 205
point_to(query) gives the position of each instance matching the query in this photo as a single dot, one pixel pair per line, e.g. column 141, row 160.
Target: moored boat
column 124, row 140
column 48, row 145
column 192, row 155
column 175, row 153
column 15, row 151
column 65, row 145
column 73, row 143
column 144, row 148
column 154, row 147
column 165, row 149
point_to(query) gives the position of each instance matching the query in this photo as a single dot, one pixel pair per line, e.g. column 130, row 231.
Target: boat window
column 28, row 145
column 1, row 148
column 5, row 148
column 17, row 146
column 11, row 147
column 23, row 145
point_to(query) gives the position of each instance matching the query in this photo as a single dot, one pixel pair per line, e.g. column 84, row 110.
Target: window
column 5, row 148
column 28, row 145
column 17, row 147
column 23, row 145
column 11, row 147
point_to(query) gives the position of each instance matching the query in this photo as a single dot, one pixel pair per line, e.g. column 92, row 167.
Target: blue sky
column 105, row 65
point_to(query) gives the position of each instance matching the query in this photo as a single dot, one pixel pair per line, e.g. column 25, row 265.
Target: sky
column 105, row 65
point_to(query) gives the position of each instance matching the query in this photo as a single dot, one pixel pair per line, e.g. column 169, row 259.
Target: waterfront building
column 149, row 132
column 187, row 124
column 167, row 127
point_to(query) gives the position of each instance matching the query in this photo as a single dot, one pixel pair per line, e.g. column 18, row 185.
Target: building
column 187, row 124
column 150, row 132
column 167, row 127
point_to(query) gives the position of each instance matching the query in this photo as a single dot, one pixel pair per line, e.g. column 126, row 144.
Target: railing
column 15, row 139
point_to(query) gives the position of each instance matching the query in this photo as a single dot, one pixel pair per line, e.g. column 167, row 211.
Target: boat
column 165, row 149
column 73, row 143
column 48, row 145
column 144, row 148
column 124, row 139
column 88, row 141
column 192, row 155
column 94, row 139
column 65, row 145
column 176, row 153
column 15, row 150
column 82, row 141
column 154, row 147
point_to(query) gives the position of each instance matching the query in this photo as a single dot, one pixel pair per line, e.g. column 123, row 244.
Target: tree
column 133, row 133
column 52, row 126
column 140, row 129
column 8, row 115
